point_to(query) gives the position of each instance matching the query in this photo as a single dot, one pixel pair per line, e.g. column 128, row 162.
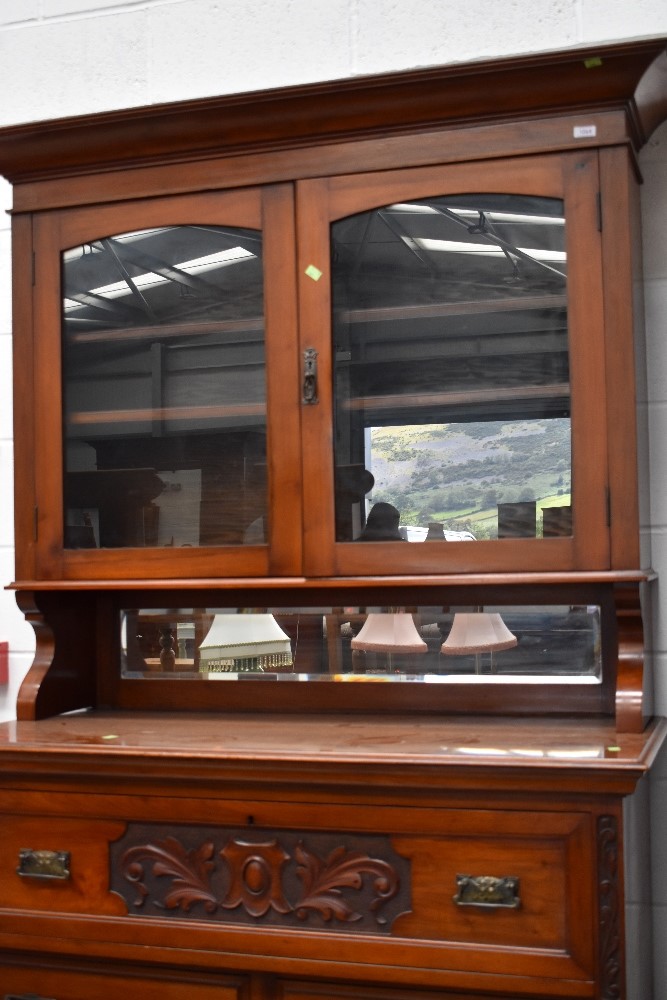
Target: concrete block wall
column 74, row 56
column 653, row 161
column 69, row 57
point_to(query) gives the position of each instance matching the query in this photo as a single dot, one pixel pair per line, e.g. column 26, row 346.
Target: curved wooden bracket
column 62, row 675
column 631, row 715
column 44, row 655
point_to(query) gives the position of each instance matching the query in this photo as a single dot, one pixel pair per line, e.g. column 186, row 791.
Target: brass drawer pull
column 44, row 864
column 488, row 891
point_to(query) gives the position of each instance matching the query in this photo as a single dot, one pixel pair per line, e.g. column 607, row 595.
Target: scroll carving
column 324, row 882
column 280, row 879
column 609, row 912
column 188, row 870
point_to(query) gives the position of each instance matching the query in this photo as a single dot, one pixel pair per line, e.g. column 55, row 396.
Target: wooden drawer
column 448, row 891
column 330, row 991
column 42, row 982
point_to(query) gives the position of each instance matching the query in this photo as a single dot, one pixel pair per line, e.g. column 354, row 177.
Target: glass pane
column 427, row 644
column 164, row 389
column 451, row 369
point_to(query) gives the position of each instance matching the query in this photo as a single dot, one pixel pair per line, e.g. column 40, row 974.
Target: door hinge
column 598, row 199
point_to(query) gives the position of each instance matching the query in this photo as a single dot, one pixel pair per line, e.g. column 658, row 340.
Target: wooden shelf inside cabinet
column 163, row 414
column 161, row 332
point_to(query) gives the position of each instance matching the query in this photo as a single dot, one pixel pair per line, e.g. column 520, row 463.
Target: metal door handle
column 309, row 394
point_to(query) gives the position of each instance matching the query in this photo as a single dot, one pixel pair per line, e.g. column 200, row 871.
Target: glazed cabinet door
column 269, row 382
column 455, row 317
column 166, row 381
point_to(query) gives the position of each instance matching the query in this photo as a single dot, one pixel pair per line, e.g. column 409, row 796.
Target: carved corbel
column 62, row 675
column 631, row 714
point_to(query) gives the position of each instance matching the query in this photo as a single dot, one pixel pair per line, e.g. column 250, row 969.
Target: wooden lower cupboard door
column 113, row 982
column 329, row 991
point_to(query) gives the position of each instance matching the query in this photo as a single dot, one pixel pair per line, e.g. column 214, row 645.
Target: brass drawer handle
column 488, row 891
column 44, row 864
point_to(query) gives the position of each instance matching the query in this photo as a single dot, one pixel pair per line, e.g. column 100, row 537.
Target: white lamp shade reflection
column 245, row 642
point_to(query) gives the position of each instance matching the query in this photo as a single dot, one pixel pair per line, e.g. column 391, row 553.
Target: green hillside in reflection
column 458, row 473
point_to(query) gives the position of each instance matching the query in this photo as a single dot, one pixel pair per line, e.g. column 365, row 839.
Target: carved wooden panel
column 277, row 878
column 609, row 896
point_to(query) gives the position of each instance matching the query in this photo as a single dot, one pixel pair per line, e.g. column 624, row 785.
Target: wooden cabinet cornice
column 627, row 78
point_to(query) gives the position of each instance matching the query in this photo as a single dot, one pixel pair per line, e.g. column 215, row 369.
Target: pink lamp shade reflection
column 392, row 632
column 478, row 632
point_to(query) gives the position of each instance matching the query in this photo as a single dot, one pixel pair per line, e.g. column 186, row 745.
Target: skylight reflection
column 491, row 250
column 149, row 279
column 473, row 214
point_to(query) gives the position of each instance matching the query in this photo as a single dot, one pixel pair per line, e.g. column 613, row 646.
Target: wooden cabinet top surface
column 588, row 753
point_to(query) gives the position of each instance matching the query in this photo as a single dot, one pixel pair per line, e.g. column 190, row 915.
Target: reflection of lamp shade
column 478, row 632
column 245, row 643
column 389, row 633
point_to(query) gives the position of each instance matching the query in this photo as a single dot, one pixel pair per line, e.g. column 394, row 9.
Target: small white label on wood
column 585, row 131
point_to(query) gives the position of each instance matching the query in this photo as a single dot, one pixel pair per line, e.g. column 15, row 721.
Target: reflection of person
column 381, row 524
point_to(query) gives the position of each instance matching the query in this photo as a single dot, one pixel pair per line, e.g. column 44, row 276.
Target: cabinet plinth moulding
column 327, row 524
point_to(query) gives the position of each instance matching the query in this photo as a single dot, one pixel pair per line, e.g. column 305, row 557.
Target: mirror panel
column 509, row 644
